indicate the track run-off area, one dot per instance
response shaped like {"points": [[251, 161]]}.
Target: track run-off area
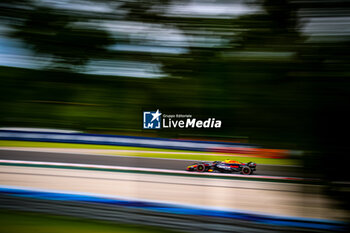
{"points": [[165, 180], [287, 199]]}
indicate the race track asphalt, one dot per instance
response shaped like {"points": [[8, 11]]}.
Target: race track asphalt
{"points": [[141, 162]]}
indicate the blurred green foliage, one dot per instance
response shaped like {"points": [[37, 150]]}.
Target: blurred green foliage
{"points": [[259, 73], [48, 32]]}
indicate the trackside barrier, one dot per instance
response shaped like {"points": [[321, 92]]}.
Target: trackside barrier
{"points": [[178, 217], [100, 139]]}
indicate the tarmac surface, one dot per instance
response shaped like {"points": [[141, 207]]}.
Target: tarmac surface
{"points": [[138, 162]]}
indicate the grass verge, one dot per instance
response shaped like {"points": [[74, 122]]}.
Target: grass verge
{"points": [[6, 143], [147, 152], [27, 222]]}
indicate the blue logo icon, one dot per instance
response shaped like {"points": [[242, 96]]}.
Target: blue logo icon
{"points": [[151, 120]]}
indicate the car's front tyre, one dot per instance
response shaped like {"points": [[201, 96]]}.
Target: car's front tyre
{"points": [[201, 168]]}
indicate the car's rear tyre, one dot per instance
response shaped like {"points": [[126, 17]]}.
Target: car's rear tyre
{"points": [[246, 170], [201, 168]]}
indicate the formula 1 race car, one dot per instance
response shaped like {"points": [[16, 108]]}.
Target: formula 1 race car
{"points": [[227, 166]]}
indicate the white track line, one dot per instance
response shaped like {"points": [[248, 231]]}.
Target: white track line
{"points": [[164, 171]]}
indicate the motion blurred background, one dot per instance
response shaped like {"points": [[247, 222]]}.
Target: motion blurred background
{"points": [[275, 72]]}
